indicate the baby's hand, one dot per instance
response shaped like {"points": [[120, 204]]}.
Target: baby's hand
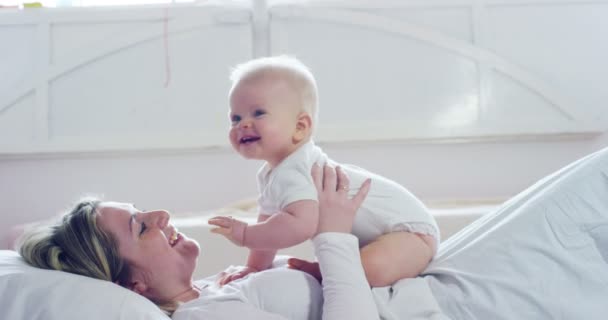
{"points": [[241, 272], [232, 229]]}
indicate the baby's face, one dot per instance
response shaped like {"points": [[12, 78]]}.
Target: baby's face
{"points": [[263, 116]]}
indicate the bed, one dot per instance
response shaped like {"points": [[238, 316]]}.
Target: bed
{"points": [[30, 293]]}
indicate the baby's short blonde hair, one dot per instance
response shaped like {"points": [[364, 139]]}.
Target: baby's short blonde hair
{"points": [[286, 68]]}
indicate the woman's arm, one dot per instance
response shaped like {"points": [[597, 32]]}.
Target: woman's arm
{"points": [[346, 291]]}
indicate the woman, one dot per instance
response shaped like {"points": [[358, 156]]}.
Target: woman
{"points": [[543, 255], [142, 251]]}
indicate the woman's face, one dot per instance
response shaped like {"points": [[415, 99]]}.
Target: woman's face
{"points": [[161, 259]]}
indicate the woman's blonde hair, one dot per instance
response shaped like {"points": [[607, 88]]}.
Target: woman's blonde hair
{"points": [[77, 245]]}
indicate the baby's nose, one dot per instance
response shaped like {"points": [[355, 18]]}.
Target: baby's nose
{"points": [[245, 123]]}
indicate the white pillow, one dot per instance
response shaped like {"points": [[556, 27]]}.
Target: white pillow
{"points": [[31, 293]]}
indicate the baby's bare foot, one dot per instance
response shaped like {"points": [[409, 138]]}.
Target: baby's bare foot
{"points": [[311, 268]]}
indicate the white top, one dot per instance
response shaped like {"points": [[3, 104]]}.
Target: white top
{"points": [[388, 206], [278, 293], [301, 296], [281, 293]]}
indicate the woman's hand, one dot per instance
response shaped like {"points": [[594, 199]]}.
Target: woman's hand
{"points": [[336, 210]]}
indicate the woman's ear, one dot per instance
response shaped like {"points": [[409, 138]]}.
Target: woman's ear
{"points": [[137, 283], [138, 287], [303, 127]]}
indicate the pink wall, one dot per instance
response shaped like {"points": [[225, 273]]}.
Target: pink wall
{"points": [[37, 188]]}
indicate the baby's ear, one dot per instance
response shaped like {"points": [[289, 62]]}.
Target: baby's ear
{"points": [[303, 127]]}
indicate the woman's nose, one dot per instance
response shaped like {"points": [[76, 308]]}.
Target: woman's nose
{"points": [[159, 218]]}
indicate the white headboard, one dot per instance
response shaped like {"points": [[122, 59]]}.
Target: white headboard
{"points": [[154, 77], [130, 102]]}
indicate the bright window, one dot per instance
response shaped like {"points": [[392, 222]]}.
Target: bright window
{"points": [[86, 3]]}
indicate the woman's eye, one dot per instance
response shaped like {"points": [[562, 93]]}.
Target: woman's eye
{"points": [[258, 113], [142, 229]]}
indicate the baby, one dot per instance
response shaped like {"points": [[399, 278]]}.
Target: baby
{"points": [[273, 110]]}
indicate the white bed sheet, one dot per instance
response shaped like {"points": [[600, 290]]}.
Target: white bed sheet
{"points": [[542, 255]]}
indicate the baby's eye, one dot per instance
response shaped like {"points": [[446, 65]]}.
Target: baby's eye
{"points": [[259, 112], [142, 229], [235, 119]]}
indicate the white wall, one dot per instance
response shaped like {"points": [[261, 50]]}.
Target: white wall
{"points": [[460, 101], [441, 174], [156, 77]]}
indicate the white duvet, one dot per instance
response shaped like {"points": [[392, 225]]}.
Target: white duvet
{"points": [[543, 255]]}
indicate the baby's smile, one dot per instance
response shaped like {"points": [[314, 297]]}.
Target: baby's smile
{"points": [[249, 139]]}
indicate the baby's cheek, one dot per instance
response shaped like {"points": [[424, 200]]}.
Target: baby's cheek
{"points": [[232, 136]]}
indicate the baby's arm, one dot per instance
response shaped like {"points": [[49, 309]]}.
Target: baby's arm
{"points": [[295, 224], [261, 259], [256, 261]]}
